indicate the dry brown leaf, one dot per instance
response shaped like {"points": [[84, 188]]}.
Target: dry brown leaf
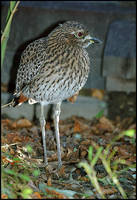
{"points": [[61, 171], [56, 194], [78, 171], [49, 182], [6, 122], [4, 87], [73, 98], [12, 152], [83, 148], [80, 126], [77, 127], [15, 137], [36, 195], [4, 140], [105, 124], [95, 129], [124, 151], [4, 196], [83, 178], [85, 142], [99, 94], [11, 137], [53, 157], [111, 190], [75, 155], [69, 154], [131, 160], [4, 160], [83, 154], [4, 149], [48, 127], [21, 123]]}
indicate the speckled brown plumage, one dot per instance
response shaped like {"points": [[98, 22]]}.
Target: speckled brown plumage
{"points": [[54, 68]]}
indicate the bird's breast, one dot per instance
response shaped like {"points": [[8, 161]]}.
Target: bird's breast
{"points": [[63, 75]]}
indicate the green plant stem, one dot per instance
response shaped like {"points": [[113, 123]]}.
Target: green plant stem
{"points": [[9, 21], [106, 164], [5, 34], [92, 176], [113, 177]]}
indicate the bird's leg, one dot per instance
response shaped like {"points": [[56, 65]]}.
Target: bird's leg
{"points": [[43, 122], [56, 125]]}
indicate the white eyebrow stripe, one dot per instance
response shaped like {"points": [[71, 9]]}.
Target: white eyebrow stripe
{"points": [[88, 37], [73, 32]]}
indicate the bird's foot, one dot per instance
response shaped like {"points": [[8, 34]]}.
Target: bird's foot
{"points": [[46, 163], [59, 165]]}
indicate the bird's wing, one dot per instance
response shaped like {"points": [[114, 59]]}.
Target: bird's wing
{"points": [[32, 59]]}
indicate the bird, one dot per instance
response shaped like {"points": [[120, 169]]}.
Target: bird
{"points": [[53, 69]]}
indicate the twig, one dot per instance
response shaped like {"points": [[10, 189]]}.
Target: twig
{"points": [[6, 105], [7, 145]]}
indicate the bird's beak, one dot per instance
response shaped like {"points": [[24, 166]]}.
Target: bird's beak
{"points": [[95, 40]]}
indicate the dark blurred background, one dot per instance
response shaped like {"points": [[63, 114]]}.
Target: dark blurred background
{"points": [[113, 64]]}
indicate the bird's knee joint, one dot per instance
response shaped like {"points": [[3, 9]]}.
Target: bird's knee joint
{"points": [[56, 113], [42, 121]]}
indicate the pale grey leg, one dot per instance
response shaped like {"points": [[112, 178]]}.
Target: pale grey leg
{"points": [[43, 122], [56, 125]]}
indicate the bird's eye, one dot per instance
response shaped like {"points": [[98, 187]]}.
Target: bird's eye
{"points": [[79, 34]]}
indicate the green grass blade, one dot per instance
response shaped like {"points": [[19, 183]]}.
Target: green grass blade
{"points": [[90, 153], [99, 114], [12, 5], [6, 31], [95, 159]]}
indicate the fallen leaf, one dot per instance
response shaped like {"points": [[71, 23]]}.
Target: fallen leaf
{"points": [[53, 157], [78, 171], [6, 122], [62, 170], [69, 154], [15, 137], [98, 93], [48, 127], [124, 151], [4, 87], [85, 142], [12, 151], [4, 160], [4, 140], [80, 126], [77, 127], [73, 98], [11, 137], [83, 154], [4, 149], [37, 195], [105, 124], [21, 123], [49, 182], [4, 196], [83, 178], [111, 190], [56, 194]]}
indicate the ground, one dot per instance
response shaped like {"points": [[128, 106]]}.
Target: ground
{"points": [[97, 152]]}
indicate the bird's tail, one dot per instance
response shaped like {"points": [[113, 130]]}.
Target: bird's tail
{"points": [[17, 101]]}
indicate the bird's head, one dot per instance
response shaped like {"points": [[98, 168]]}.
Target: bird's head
{"points": [[75, 33]]}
